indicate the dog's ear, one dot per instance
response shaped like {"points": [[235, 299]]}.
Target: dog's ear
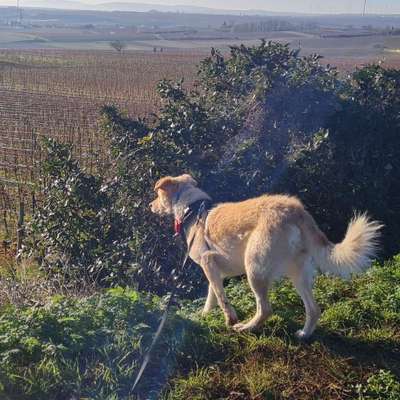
{"points": [[186, 178], [168, 184]]}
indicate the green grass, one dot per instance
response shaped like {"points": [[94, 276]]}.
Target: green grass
{"points": [[354, 354], [91, 347]]}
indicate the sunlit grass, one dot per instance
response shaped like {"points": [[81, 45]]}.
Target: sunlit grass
{"points": [[92, 346]]}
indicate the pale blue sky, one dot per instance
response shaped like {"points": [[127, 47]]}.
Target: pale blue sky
{"points": [[336, 6], [305, 6]]}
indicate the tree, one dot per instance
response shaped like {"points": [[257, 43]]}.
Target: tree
{"points": [[118, 45]]}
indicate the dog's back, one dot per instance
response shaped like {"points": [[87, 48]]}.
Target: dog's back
{"points": [[231, 220]]}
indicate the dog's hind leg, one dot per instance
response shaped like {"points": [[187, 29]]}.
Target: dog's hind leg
{"points": [[209, 264], [302, 277], [263, 311], [258, 262]]}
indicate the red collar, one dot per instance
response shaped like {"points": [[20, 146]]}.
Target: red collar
{"points": [[177, 226], [195, 209]]}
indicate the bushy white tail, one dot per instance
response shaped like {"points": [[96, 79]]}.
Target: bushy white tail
{"points": [[355, 253]]}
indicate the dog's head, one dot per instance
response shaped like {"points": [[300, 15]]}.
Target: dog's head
{"points": [[168, 190]]}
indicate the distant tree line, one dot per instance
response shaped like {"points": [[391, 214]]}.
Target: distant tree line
{"points": [[272, 26]]}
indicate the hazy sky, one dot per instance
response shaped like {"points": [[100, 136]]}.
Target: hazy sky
{"points": [[305, 6]]}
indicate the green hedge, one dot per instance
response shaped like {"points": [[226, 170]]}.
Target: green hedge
{"points": [[262, 120]]}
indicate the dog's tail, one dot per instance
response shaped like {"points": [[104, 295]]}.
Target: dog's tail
{"points": [[354, 254]]}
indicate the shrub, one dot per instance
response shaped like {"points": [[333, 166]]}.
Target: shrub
{"points": [[77, 232], [356, 164], [262, 120]]}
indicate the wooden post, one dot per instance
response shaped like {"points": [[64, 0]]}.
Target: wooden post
{"points": [[5, 222], [33, 166], [20, 226]]}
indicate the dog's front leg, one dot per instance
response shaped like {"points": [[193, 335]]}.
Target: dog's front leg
{"points": [[209, 263], [211, 301]]}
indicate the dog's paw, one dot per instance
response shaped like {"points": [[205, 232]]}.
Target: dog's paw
{"points": [[302, 335], [241, 327], [204, 312]]}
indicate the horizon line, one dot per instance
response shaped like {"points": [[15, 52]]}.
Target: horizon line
{"points": [[247, 12]]}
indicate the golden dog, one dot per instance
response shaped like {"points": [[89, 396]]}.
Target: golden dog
{"points": [[265, 238]]}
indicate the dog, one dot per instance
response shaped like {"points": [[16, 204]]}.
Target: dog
{"points": [[264, 238]]}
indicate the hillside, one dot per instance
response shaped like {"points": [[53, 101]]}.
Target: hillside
{"points": [[91, 347]]}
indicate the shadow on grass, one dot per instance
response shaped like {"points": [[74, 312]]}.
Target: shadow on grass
{"points": [[366, 353], [207, 347]]}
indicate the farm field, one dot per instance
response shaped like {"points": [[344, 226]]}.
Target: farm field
{"points": [[59, 94], [364, 46]]}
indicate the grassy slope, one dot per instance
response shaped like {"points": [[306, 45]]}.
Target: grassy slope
{"points": [[92, 347], [87, 348], [355, 352]]}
